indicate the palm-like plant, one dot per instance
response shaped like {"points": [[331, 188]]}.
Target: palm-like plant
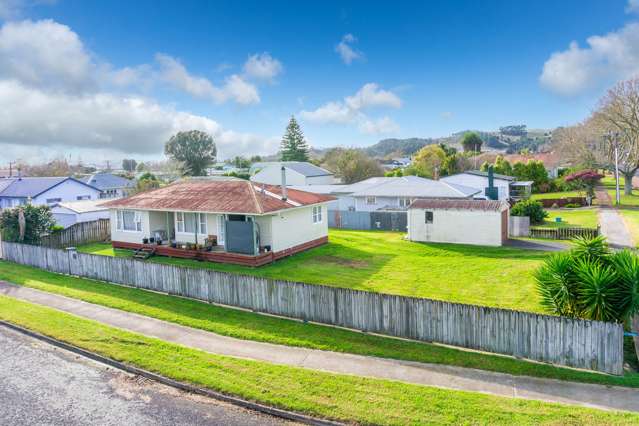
{"points": [[593, 249], [556, 285], [598, 291], [626, 265]]}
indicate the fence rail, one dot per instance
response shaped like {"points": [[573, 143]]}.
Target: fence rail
{"points": [[572, 342], [80, 233], [563, 233], [377, 220]]}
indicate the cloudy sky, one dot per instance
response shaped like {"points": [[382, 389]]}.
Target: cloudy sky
{"points": [[107, 80]]}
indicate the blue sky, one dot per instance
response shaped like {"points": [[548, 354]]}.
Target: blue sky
{"points": [[113, 79]]}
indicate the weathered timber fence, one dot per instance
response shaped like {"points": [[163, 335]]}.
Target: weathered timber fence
{"points": [[577, 343], [79, 233], [563, 233]]}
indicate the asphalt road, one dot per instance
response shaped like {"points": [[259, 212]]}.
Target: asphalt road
{"points": [[44, 385]]}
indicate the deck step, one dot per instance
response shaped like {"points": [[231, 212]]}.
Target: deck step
{"points": [[143, 253]]}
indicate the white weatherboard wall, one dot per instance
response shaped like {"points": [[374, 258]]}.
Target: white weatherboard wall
{"points": [[480, 182], [461, 226], [294, 227], [69, 190], [66, 217], [130, 236], [380, 202]]}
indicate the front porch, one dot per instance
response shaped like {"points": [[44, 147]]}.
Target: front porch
{"points": [[217, 254]]}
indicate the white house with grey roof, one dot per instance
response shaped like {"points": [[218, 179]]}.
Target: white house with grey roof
{"points": [[389, 193], [507, 186], [297, 173], [44, 191], [112, 186]]}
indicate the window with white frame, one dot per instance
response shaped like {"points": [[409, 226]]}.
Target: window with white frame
{"points": [[404, 202], [190, 222], [202, 222], [83, 197], [371, 200], [129, 220], [179, 221], [317, 214]]}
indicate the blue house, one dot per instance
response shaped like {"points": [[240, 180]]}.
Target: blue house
{"points": [[44, 191], [112, 186]]}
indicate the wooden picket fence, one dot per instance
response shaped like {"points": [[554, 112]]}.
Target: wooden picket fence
{"points": [[79, 233], [577, 343], [563, 233]]}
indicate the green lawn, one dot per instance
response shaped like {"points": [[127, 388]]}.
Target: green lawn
{"points": [[582, 218], [626, 200], [631, 218], [345, 398], [250, 326], [384, 262], [556, 195]]}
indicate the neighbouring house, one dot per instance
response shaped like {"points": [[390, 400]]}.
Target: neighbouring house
{"points": [[112, 186], [388, 193], [297, 173], [507, 186], [44, 191], [236, 221], [478, 222], [395, 163], [553, 162], [68, 213]]}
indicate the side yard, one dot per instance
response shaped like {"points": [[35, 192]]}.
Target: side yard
{"points": [[384, 262], [571, 218]]}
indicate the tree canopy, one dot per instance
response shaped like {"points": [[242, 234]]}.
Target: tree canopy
{"points": [[193, 150], [471, 142], [293, 146], [129, 165], [351, 165]]}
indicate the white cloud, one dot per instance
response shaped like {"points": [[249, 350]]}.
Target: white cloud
{"points": [[235, 87], [382, 125], [56, 98], [447, 115], [605, 58], [346, 50], [45, 54], [34, 118], [370, 95], [351, 110], [632, 6], [262, 67]]}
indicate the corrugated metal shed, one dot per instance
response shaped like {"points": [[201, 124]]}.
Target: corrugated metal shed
{"points": [[486, 205]]}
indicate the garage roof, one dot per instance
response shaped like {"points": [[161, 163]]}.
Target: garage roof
{"points": [[486, 205]]}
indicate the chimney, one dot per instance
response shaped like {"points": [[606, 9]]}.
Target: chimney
{"points": [[284, 197]]}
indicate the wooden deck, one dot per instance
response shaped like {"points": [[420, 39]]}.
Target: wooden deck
{"points": [[222, 256]]}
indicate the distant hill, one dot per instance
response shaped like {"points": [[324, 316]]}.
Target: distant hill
{"points": [[398, 147]]}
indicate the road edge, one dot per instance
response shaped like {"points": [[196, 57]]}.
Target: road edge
{"points": [[276, 412]]}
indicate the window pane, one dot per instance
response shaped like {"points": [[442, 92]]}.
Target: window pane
{"points": [[189, 222], [128, 220]]}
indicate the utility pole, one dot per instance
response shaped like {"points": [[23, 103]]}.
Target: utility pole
{"points": [[613, 139]]}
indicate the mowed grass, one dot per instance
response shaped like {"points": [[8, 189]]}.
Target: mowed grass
{"points": [[251, 326], [626, 200], [631, 219], [557, 195], [386, 263], [580, 218], [345, 398]]}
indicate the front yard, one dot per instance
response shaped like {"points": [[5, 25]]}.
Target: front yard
{"points": [[577, 218], [385, 262]]}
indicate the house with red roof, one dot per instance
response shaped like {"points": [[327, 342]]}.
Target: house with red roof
{"points": [[229, 221]]}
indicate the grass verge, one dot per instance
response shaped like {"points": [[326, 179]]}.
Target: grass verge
{"points": [[251, 326], [385, 262], [580, 218], [346, 398]]}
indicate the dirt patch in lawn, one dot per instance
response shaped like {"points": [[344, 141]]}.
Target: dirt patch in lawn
{"points": [[341, 261]]}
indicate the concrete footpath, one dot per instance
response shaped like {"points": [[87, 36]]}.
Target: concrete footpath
{"points": [[449, 377]]}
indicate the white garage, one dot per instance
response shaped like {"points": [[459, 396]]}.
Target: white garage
{"points": [[479, 222]]}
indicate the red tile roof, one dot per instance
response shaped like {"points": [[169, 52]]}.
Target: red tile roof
{"points": [[486, 205], [218, 196]]}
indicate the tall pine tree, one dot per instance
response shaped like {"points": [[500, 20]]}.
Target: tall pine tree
{"points": [[294, 146]]}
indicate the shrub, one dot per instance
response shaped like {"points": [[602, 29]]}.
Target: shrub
{"points": [[531, 208], [590, 282], [38, 221], [572, 205], [584, 179]]}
